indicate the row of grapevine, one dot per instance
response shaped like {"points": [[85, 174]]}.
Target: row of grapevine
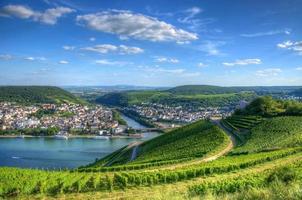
{"points": [[25, 181]]}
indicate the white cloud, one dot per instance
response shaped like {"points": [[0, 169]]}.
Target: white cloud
{"points": [[5, 57], [127, 24], [30, 58], [201, 64], [299, 68], [268, 33], [255, 61], [92, 39], [211, 47], [268, 72], [108, 62], [167, 60], [63, 62], [191, 13], [157, 69], [68, 48], [109, 48], [293, 46], [49, 16]]}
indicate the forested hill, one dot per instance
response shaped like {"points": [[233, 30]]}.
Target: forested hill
{"points": [[37, 94], [211, 89], [297, 92]]}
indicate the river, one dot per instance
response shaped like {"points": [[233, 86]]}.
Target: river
{"points": [[49, 153]]}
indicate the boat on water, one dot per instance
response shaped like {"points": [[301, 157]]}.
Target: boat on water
{"points": [[101, 137], [21, 136], [61, 135]]}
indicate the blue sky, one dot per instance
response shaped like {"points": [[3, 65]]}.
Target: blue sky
{"points": [[151, 43]]}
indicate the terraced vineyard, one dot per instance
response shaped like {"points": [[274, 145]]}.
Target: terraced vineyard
{"points": [[275, 133], [239, 122]]}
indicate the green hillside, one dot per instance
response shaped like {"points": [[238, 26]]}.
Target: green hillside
{"points": [[37, 94], [203, 89], [274, 133], [166, 97], [192, 141]]}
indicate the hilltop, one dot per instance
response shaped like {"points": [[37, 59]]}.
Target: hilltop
{"points": [[37, 94]]}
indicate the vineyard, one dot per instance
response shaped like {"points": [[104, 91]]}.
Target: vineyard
{"points": [[274, 133], [238, 122], [269, 159], [189, 142]]}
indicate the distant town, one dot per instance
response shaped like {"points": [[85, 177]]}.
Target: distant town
{"points": [[71, 118]]}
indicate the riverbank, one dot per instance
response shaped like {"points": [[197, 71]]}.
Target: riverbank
{"points": [[74, 136]]}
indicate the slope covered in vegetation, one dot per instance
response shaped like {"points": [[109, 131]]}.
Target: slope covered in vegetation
{"points": [[37, 94], [186, 143], [166, 97]]}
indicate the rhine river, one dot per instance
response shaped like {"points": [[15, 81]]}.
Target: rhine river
{"points": [[49, 153]]}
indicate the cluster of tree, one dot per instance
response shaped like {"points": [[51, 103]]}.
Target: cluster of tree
{"points": [[116, 116], [268, 107], [32, 131]]}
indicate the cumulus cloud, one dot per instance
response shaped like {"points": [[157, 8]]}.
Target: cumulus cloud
{"points": [[127, 24], [108, 62], [109, 48], [293, 46], [268, 33], [68, 48], [63, 62], [167, 60], [255, 61], [268, 72], [5, 57], [49, 16]]}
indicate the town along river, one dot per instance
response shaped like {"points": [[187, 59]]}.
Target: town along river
{"points": [[50, 153]]}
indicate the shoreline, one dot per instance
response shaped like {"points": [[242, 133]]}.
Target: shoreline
{"points": [[76, 136]]}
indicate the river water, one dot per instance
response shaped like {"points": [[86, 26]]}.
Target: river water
{"points": [[49, 153]]}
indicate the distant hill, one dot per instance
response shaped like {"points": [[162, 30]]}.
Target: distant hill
{"points": [[211, 89], [203, 89], [37, 94], [297, 92]]}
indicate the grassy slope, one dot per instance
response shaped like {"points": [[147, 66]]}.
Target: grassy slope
{"points": [[37, 94]]}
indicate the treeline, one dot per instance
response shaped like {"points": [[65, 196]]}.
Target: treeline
{"points": [[32, 131], [36, 94], [116, 116]]}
